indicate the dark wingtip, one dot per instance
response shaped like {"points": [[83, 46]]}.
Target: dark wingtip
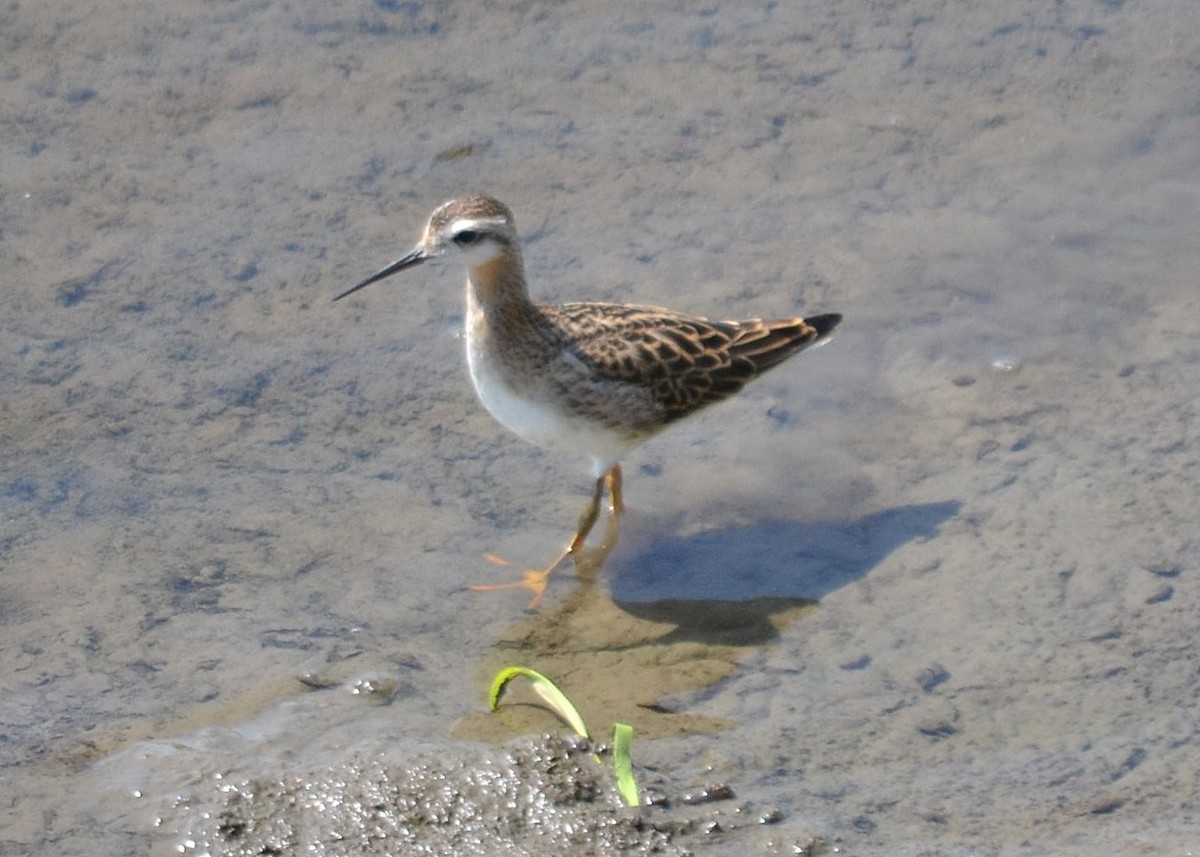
{"points": [[824, 324]]}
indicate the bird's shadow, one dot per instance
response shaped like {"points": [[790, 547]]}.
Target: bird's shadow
{"points": [[732, 581]]}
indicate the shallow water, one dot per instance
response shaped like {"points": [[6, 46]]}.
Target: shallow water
{"points": [[214, 479]]}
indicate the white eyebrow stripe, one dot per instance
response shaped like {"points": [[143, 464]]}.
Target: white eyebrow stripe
{"points": [[461, 223]]}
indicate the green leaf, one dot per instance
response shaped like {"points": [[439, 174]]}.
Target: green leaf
{"points": [[623, 763], [546, 689]]}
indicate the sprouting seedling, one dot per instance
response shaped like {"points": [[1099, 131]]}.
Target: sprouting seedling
{"points": [[546, 689], [563, 707], [623, 763]]}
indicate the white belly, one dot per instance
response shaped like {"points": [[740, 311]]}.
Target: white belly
{"points": [[542, 424]]}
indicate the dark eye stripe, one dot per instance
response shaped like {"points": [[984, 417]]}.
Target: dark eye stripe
{"points": [[465, 237]]}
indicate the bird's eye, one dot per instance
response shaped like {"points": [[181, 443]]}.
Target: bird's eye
{"points": [[466, 237]]}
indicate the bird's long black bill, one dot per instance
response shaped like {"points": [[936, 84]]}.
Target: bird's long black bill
{"points": [[416, 257]]}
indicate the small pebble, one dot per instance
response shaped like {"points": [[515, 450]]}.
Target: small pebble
{"points": [[708, 794]]}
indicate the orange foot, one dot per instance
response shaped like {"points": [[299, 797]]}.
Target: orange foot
{"points": [[536, 581]]}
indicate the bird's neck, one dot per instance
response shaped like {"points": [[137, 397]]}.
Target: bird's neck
{"points": [[497, 286]]}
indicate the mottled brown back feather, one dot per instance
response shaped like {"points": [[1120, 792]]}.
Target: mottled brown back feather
{"points": [[684, 362]]}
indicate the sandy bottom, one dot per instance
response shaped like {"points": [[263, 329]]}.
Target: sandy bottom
{"points": [[930, 589]]}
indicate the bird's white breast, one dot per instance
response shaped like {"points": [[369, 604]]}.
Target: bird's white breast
{"points": [[537, 420]]}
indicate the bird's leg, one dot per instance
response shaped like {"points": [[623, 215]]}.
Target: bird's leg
{"points": [[536, 580], [588, 519], [613, 480], [588, 564]]}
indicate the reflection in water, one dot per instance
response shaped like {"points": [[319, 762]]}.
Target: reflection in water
{"points": [[703, 607]]}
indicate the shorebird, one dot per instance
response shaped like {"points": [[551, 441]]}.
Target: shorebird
{"points": [[597, 379]]}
